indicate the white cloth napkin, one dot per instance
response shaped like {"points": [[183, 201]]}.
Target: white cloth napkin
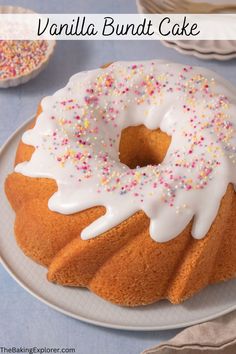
{"points": [[214, 337]]}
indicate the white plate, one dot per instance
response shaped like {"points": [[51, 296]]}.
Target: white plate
{"points": [[80, 303], [208, 47], [203, 49], [200, 55]]}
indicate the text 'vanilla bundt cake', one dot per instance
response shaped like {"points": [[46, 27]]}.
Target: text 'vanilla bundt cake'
{"points": [[124, 182]]}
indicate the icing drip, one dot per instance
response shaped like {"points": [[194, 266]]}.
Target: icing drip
{"points": [[76, 140]]}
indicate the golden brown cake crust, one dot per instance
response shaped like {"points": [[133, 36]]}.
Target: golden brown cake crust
{"points": [[124, 265]]}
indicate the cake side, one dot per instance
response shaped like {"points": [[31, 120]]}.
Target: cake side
{"points": [[124, 265], [170, 246], [143, 271]]}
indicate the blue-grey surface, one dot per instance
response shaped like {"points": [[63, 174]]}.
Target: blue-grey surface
{"points": [[24, 321]]}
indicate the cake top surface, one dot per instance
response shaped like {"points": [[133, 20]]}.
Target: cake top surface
{"points": [[77, 135]]}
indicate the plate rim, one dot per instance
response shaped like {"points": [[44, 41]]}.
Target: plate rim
{"points": [[82, 318], [199, 55], [184, 44]]}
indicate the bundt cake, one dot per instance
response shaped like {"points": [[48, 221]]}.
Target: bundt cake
{"points": [[123, 183]]}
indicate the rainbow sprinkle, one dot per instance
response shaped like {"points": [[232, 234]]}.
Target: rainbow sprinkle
{"points": [[18, 58]]}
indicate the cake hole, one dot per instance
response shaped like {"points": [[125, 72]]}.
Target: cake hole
{"points": [[140, 146]]}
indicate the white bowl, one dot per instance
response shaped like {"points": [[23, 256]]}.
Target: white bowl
{"points": [[21, 79]]}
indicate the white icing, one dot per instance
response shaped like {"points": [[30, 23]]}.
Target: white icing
{"points": [[76, 140]]}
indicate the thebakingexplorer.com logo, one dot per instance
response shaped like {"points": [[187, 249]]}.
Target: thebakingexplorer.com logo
{"points": [[32, 350]]}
